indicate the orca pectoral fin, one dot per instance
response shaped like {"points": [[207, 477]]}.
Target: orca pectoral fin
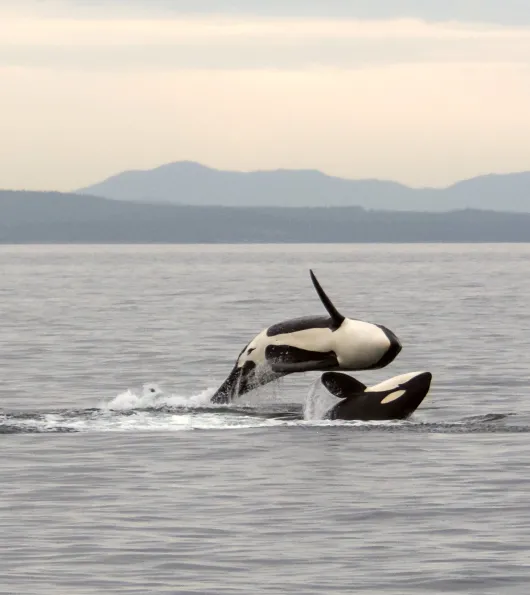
{"points": [[341, 385], [285, 359]]}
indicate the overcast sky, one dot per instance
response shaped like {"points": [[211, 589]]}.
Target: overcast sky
{"points": [[422, 95]]}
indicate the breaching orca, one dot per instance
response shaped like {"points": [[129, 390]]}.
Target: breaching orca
{"points": [[396, 398], [311, 343]]}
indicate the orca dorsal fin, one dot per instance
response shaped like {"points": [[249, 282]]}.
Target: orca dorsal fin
{"points": [[341, 385], [336, 317]]}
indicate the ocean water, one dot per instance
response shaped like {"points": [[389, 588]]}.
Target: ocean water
{"points": [[118, 476]]}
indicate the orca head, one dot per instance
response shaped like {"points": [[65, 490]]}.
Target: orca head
{"points": [[402, 395], [419, 383], [392, 351], [366, 346]]}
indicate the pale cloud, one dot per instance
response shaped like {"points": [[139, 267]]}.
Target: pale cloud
{"points": [[87, 92], [228, 43], [56, 37], [23, 30], [511, 12]]}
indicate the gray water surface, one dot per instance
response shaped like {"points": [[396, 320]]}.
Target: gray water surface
{"points": [[107, 487]]}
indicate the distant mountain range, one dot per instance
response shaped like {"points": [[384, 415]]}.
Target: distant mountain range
{"points": [[53, 217], [190, 183]]}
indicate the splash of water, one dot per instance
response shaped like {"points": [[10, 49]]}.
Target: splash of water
{"points": [[153, 397], [152, 410], [318, 402]]}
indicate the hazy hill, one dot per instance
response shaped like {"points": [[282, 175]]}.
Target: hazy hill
{"points": [[34, 217], [191, 183]]}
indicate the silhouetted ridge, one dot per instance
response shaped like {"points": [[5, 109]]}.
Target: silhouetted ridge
{"points": [[53, 217], [187, 182]]}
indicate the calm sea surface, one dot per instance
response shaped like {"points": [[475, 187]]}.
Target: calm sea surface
{"points": [[110, 487]]}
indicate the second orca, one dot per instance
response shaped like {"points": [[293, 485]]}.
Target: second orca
{"points": [[395, 398]]}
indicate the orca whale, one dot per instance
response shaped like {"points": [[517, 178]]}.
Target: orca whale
{"points": [[396, 398], [310, 343]]}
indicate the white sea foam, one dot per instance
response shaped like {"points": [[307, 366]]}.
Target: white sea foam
{"points": [[153, 397], [151, 409]]}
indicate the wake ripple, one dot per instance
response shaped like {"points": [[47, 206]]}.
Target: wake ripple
{"points": [[152, 410]]}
